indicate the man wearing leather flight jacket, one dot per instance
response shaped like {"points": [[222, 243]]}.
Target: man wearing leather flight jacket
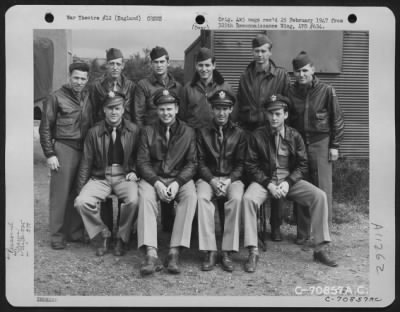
{"points": [[66, 117], [276, 163], [316, 114]]}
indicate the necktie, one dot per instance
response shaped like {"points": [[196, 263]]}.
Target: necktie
{"points": [[277, 146], [220, 135], [167, 134], [114, 134], [115, 86], [277, 140]]}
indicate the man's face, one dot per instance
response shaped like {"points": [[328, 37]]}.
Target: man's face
{"points": [[276, 118], [221, 114], [167, 113], [305, 74], [262, 54], [115, 67], [78, 80], [160, 65], [205, 69], [113, 114]]}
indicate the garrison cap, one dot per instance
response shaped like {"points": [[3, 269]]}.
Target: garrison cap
{"points": [[222, 97], [113, 54], [276, 102], [82, 66], [114, 98], [164, 96], [204, 54], [260, 40], [301, 60], [157, 52]]}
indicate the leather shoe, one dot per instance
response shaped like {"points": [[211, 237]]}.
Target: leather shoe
{"points": [[276, 235], [251, 264], [320, 256], [58, 245], [300, 240], [150, 265], [105, 246], [226, 262], [119, 249], [209, 261], [172, 263]]}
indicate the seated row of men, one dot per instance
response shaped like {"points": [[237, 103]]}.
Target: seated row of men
{"points": [[166, 158]]}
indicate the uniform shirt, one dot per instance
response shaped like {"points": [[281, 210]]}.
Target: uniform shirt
{"points": [[145, 109], [254, 90], [115, 149], [281, 156]]}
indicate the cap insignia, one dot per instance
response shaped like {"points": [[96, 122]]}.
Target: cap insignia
{"points": [[111, 94], [222, 94], [165, 92]]}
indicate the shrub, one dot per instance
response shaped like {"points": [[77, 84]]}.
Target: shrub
{"points": [[350, 189]]}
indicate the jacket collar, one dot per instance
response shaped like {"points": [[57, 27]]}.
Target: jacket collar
{"points": [[125, 126], [153, 79], [174, 127], [229, 125], [107, 81], [315, 82], [287, 130], [272, 67], [217, 78], [67, 89]]}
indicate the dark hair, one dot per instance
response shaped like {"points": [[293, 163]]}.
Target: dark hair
{"points": [[81, 66], [212, 60]]}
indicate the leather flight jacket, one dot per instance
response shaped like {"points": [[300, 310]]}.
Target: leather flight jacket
{"points": [[100, 91], [145, 109], [195, 109], [260, 162], [315, 113], [64, 117], [158, 160], [221, 160], [251, 113], [95, 153]]}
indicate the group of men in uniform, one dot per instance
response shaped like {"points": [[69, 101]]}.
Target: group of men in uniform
{"points": [[159, 141]]}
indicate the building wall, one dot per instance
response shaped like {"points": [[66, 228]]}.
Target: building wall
{"points": [[232, 50], [62, 52]]}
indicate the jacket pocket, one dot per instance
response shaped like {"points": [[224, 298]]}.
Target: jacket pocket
{"points": [[65, 127], [321, 121]]}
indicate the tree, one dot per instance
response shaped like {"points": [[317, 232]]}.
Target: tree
{"points": [[138, 67]]}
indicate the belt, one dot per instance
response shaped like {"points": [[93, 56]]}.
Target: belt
{"points": [[114, 170]]}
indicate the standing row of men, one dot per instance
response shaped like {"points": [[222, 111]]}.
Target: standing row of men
{"points": [[188, 133]]}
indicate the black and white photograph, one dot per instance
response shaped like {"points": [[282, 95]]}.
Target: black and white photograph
{"points": [[225, 157]]}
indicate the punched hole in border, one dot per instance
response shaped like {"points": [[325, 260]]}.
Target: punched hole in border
{"points": [[200, 19], [352, 18], [49, 18]]}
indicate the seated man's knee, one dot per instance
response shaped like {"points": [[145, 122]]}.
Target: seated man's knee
{"points": [[237, 196], [248, 198], [202, 196], [79, 203], [320, 194], [131, 197]]}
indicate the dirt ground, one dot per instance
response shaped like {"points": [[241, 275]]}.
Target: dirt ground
{"points": [[76, 271]]}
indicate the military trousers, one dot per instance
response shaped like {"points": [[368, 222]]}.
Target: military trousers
{"points": [[303, 193], [65, 221], [148, 210], [206, 212], [97, 190], [320, 174]]}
